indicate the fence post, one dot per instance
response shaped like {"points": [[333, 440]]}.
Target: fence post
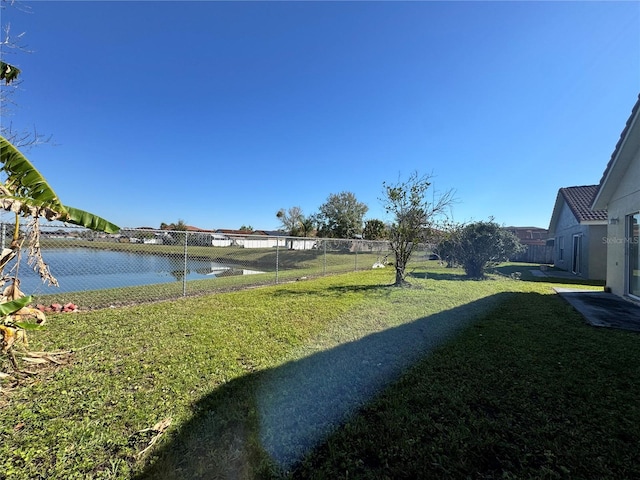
{"points": [[277, 257], [184, 276], [324, 257], [355, 248]]}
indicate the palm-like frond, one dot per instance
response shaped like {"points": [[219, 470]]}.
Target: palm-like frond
{"points": [[89, 220], [26, 192], [8, 73], [24, 180]]}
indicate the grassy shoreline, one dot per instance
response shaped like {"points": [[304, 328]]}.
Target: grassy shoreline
{"points": [[201, 362]]}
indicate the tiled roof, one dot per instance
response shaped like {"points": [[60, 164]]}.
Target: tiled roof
{"points": [[227, 231], [579, 200]]}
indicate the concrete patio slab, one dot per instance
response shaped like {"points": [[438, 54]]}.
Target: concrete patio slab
{"points": [[602, 309], [553, 274]]}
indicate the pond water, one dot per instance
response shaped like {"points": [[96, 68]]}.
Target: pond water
{"points": [[78, 269]]}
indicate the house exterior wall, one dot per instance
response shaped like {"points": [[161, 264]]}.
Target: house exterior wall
{"points": [[597, 252], [624, 201], [253, 242], [593, 259], [566, 228], [301, 244], [219, 241]]}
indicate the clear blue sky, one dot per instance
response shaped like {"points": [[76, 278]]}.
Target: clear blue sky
{"points": [[220, 113]]}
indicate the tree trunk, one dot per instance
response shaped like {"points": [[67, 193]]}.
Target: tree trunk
{"points": [[399, 276], [400, 269], [402, 251]]}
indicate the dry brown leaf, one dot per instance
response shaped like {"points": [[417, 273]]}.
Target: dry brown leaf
{"points": [[159, 427], [28, 312], [38, 360], [8, 335], [162, 425], [55, 352], [13, 292]]}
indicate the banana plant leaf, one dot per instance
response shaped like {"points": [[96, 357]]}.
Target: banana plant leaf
{"points": [[8, 73], [24, 180], [30, 188], [13, 306], [89, 220], [29, 326]]}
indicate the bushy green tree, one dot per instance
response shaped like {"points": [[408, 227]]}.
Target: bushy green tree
{"points": [[341, 216], [480, 245], [446, 243], [374, 229]]}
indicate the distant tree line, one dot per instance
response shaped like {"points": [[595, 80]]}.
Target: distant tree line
{"points": [[414, 218]]}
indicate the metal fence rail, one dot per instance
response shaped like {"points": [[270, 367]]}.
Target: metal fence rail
{"points": [[96, 270]]}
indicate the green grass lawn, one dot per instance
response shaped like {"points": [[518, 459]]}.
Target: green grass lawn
{"points": [[529, 391], [525, 390]]}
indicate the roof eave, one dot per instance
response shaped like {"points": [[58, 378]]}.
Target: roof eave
{"points": [[607, 183], [555, 214], [593, 222]]}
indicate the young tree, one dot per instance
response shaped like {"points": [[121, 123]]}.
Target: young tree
{"points": [[480, 245], [341, 216], [291, 220], [414, 216]]}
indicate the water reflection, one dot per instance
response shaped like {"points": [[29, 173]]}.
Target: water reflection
{"points": [[80, 269]]}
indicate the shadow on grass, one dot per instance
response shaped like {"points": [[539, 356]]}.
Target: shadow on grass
{"points": [[261, 424], [361, 288], [529, 391], [439, 276], [330, 291]]}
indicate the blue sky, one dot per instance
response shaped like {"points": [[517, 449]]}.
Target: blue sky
{"points": [[220, 113]]}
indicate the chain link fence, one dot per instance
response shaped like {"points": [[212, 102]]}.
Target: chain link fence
{"points": [[96, 270]]}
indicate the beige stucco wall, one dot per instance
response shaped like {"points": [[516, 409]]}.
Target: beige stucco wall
{"points": [[597, 252], [624, 201]]}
